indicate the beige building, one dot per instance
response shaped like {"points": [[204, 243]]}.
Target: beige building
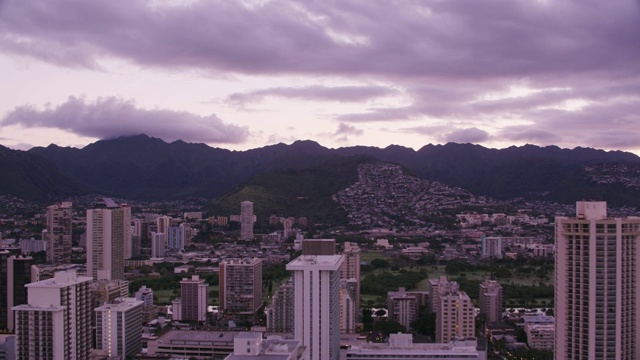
{"points": [[240, 286], [108, 228], [490, 298], [59, 232], [455, 313], [351, 270], [597, 297]]}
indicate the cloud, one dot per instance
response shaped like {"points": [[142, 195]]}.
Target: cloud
{"points": [[480, 39], [346, 129], [470, 135], [314, 93], [112, 117]]}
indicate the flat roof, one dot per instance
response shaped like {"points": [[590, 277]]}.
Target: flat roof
{"points": [[322, 262], [188, 335]]}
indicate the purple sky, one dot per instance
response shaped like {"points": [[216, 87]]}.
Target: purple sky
{"points": [[244, 74]]}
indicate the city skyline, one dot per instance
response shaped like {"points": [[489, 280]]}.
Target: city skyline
{"points": [[495, 73]]}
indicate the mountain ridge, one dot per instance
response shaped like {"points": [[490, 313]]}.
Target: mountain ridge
{"points": [[146, 168]]}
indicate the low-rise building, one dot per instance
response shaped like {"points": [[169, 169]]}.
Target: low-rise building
{"points": [[401, 346], [251, 345], [199, 344]]}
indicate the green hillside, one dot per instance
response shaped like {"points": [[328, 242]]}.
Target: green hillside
{"points": [[296, 192]]}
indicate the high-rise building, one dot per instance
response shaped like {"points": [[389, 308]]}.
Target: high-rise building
{"points": [[403, 307], [59, 233], [492, 247], [316, 284], [126, 228], [119, 328], [240, 286], [149, 311], [348, 309], [351, 270], [158, 245], [56, 322], [193, 299], [162, 224], [107, 227], [455, 313], [18, 275], [15, 273], [175, 238], [597, 289], [246, 220], [280, 311], [490, 298], [141, 230]]}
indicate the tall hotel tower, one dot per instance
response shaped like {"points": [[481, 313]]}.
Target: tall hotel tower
{"points": [[597, 305], [246, 220], [56, 322], [316, 286], [59, 233], [107, 227]]}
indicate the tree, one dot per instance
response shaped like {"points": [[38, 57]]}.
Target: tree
{"points": [[379, 263], [389, 327]]}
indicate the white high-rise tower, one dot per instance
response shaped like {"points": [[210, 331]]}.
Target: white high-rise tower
{"points": [[316, 284], [56, 322], [597, 297]]}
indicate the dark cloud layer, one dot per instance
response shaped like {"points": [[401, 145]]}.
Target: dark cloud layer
{"points": [[448, 58], [454, 39], [113, 117]]}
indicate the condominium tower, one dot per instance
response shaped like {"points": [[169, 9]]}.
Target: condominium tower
{"points": [[240, 286], [59, 233], [194, 299], [597, 295], [455, 313], [56, 322], [351, 270], [119, 328], [107, 227], [316, 284], [246, 220], [490, 297]]}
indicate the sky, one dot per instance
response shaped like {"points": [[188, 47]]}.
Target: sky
{"points": [[246, 74]]}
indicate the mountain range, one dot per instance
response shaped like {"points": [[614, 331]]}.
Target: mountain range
{"points": [[145, 168]]}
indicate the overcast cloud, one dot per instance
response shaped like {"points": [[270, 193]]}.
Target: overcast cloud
{"points": [[563, 72]]}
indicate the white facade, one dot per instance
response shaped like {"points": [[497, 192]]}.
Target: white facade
{"points": [[108, 227], [597, 297], [246, 220], [492, 247], [119, 327], [316, 283], [56, 322]]}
